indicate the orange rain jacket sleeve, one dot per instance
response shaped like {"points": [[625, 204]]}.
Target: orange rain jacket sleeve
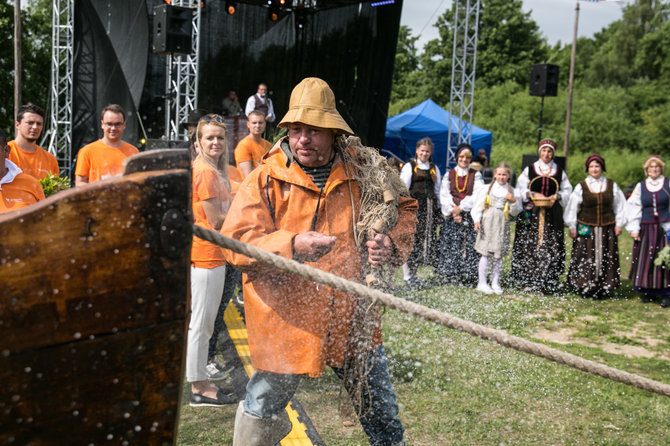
{"points": [[294, 325]]}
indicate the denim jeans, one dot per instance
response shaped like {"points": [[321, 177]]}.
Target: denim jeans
{"points": [[269, 393]]}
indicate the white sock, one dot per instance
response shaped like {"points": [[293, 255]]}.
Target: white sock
{"points": [[483, 269], [496, 267], [406, 273]]}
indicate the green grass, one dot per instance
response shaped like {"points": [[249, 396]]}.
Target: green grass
{"points": [[457, 389]]}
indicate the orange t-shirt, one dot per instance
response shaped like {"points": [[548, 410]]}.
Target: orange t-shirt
{"points": [[39, 163], [23, 191], [98, 161], [235, 178], [206, 185], [250, 150]]}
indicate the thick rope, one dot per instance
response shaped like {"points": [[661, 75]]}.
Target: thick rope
{"points": [[429, 314]]}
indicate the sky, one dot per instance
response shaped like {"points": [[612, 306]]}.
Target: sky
{"points": [[556, 18]]}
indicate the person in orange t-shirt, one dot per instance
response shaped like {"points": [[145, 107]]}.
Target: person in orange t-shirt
{"points": [[104, 158], [25, 153], [17, 189], [211, 199], [250, 150]]}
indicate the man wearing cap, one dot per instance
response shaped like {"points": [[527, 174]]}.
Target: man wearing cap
{"points": [[538, 253], [104, 158], [298, 204]]}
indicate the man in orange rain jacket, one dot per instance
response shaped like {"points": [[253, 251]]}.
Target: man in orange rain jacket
{"points": [[298, 204]]}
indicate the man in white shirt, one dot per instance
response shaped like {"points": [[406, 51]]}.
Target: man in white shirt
{"points": [[261, 101]]}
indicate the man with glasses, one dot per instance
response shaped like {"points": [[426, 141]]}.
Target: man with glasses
{"points": [[25, 153], [17, 189], [104, 158]]}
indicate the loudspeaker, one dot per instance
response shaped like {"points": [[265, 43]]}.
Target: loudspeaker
{"points": [[543, 80], [173, 28]]}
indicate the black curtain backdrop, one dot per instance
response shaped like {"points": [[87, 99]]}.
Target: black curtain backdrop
{"points": [[111, 49], [351, 47]]}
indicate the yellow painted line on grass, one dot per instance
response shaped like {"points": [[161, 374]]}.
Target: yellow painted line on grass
{"points": [[238, 333]]}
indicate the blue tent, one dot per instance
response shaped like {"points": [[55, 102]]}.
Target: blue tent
{"points": [[429, 119]]}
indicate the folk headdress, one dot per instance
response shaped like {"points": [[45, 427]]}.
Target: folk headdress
{"points": [[595, 157], [546, 143]]}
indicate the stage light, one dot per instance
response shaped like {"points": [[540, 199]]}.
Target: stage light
{"points": [[231, 7], [282, 2], [300, 19], [382, 3], [273, 14]]}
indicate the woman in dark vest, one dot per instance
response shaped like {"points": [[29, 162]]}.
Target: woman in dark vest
{"points": [[458, 259], [538, 253], [595, 216], [422, 178], [648, 222]]}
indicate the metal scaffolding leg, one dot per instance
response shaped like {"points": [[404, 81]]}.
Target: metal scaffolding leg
{"points": [[58, 136], [181, 89], [466, 21]]}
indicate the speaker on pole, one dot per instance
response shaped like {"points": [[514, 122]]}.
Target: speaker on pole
{"points": [[173, 28], [543, 80]]}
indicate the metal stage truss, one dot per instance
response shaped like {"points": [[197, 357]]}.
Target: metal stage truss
{"points": [[464, 61], [181, 89], [58, 136]]}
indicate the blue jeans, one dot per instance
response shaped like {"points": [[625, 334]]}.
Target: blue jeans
{"points": [[268, 393]]}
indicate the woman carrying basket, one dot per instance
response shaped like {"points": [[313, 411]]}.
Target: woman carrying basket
{"points": [[538, 253]]}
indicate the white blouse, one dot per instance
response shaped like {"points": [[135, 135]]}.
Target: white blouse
{"points": [[542, 168], [595, 185], [498, 193], [633, 209], [12, 171], [406, 175], [447, 201]]}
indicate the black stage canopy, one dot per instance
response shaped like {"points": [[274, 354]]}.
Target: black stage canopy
{"points": [[349, 44]]}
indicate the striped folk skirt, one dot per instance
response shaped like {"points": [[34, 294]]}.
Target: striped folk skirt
{"points": [[645, 276]]}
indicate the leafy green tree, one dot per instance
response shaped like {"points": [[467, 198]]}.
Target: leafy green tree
{"points": [[618, 45], [35, 61], [509, 42]]}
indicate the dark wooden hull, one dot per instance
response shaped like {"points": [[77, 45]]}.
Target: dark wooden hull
{"points": [[93, 313]]}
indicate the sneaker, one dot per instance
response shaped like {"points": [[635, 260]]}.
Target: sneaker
{"points": [[213, 372], [222, 399], [496, 289], [484, 288]]}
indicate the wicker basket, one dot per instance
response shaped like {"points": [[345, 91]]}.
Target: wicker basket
{"points": [[543, 202]]}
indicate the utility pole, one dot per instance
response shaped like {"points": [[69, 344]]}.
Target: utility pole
{"points": [[17, 56], [568, 114]]}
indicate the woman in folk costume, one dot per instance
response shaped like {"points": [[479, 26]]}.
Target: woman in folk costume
{"points": [[423, 180], [493, 206], [538, 253], [648, 222], [595, 216], [458, 259]]}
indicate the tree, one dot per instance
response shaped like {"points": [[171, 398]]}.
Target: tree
{"points": [[618, 45], [509, 42], [36, 58]]}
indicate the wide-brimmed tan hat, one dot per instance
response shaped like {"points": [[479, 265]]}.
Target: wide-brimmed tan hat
{"points": [[313, 103]]}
